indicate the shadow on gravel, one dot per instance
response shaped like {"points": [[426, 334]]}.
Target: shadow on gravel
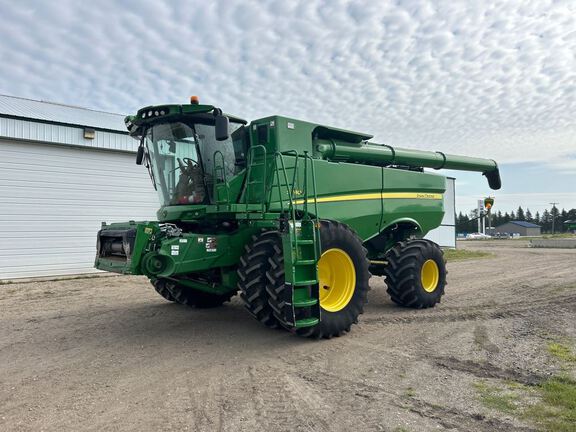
{"points": [[163, 326]]}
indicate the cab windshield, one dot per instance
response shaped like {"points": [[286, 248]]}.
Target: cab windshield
{"points": [[184, 159]]}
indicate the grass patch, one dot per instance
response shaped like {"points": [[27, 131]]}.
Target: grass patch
{"points": [[497, 398], [563, 289], [551, 405], [561, 352], [515, 385], [557, 410], [546, 236], [560, 236], [410, 392], [465, 254]]}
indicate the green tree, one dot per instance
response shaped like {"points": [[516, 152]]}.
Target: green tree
{"points": [[462, 223], [498, 218], [554, 219], [546, 221], [563, 217], [520, 214], [529, 217]]}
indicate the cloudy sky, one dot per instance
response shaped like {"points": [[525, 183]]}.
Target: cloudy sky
{"points": [[480, 78]]}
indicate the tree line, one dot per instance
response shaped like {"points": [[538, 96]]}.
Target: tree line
{"points": [[468, 223]]}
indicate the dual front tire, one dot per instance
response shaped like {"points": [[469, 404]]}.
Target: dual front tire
{"points": [[343, 281], [415, 273]]}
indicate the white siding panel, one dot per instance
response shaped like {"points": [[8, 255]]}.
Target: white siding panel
{"points": [[59, 134], [445, 234], [53, 200]]}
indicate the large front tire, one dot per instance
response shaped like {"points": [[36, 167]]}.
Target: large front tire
{"points": [[415, 273], [252, 276], [343, 276]]}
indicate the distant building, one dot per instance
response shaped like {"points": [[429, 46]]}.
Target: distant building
{"points": [[522, 228], [571, 225]]}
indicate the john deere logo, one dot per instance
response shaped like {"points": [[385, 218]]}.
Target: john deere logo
{"points": [[425, 195]]}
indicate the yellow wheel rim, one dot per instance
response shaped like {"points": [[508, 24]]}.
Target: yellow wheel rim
{"points": [[337, 277], [430, 275]]}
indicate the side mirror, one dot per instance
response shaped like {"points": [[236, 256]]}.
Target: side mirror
{"points": [[140, 155], [221, 124]]}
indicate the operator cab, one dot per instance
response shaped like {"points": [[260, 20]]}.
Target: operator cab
{"points": [[187, 153]]}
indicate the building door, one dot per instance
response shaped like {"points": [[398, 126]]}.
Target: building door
{"points": [[52, 202]]}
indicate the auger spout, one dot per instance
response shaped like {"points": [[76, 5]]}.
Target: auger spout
{"points": [[385, 155]]}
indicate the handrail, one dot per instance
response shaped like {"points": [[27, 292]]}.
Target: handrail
{"points": [[292, 189], [315, 197], [289, 190], [278, 156], [251, 164], [221, 168]]}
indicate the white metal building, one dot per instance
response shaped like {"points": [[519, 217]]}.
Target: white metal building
{"points": [[63, 170]]}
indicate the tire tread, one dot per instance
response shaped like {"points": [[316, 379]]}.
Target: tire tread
{"points": [[402, 275]]}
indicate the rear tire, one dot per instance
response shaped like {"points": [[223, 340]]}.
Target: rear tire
{"points": [[174, 292], [252, 276], [345, 308], [415, 273]]}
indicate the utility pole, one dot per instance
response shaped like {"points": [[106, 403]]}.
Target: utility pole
{"points": [[553, 204], [480, 216]]}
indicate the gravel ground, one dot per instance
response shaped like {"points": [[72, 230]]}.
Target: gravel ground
{"points": [[108, 353]]}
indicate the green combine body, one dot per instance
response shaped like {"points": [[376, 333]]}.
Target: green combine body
{"points": [[294, 215]]}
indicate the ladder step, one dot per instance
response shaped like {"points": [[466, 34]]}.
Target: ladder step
{"points": [[305, 302], [306, 322], [305, 262], [304, 242], [305, 282]]}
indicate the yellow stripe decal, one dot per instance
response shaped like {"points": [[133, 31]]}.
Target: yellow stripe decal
{"points": [[416, 195], [373, 196]]}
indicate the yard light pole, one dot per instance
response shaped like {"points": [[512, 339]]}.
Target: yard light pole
{"points": [[488, 203], [553, 204]]}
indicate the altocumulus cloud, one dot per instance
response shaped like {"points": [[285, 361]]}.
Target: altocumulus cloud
{"points": [[478, 77]]}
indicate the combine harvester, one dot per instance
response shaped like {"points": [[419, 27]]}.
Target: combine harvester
{"points": [[296, 216]]}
